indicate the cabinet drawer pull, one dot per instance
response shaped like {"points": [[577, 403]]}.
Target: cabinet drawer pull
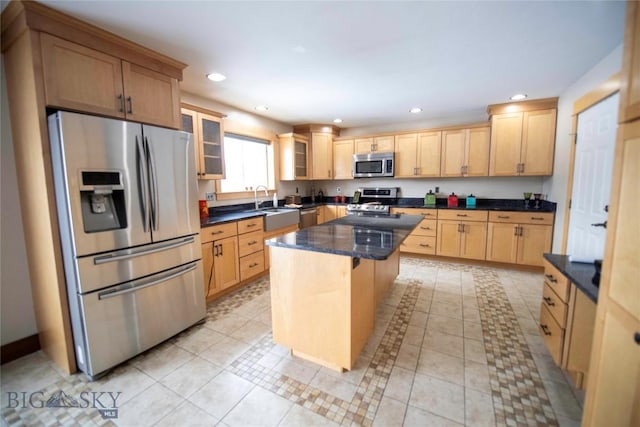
{"points": [[549, 301], [504, 216], [545, 329], [255, 264], [425, 245], [253, 242], [551, 278], [213, 233], [425, 228], [463, 215], [121, 103], [251, 225], [537, 218]]}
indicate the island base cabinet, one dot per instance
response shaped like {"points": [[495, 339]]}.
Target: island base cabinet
{"points": [[322, 305]]}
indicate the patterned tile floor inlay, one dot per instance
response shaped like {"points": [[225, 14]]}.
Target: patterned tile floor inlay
{"points": [[441, 330]]}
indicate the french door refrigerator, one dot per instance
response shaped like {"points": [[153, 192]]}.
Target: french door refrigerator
{"points": [[126, 197]]}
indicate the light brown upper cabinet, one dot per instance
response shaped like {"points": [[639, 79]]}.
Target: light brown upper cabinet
{"points": [[208, 136], [343, 159], [322, 156], [523, 138], [630, 82], [294, 157], [374, 144], [83, 79], [417, 155], [465, 152]]}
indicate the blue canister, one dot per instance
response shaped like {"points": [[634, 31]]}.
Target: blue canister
{"points": [[471, 201]]}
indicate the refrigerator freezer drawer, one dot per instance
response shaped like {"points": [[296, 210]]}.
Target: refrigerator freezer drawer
{"points": [[108, 269], [125, 320]]}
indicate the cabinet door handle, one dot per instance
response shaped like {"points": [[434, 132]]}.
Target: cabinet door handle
{"points": [[522, 168], [130, 102], [636, 337], [461, 170], [545, 329], [221, 249], [515, 230], [549, 301], [216, 250], [521, 231], [121, 103], [551, 278]]}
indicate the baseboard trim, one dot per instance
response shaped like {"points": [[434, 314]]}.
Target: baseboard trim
{"points": [[16, 349]]}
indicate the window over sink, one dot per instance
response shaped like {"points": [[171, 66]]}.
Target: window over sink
{"points": [[248, 163]]}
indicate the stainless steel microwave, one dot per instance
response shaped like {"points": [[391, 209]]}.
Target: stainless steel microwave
{"points": [[372, 165]]}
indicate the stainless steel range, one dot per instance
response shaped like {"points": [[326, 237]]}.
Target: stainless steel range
{"points": [[374, 201]]}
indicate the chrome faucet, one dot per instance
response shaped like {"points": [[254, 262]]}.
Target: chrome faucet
{"points": [[255, 194]]}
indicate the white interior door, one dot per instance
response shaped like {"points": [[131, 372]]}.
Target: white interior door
{"points": [[592, 179]]}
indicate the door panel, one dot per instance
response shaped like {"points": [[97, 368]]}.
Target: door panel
{"points": [[429, 153], [227, 270], [538, 142], [405, 155], [448, 238], [592, 179], [534, 241], [452, 153], [94, 144], [473, 240], [506, 139], [176, 201], [120, 326], [477, 152], [501, 242]]}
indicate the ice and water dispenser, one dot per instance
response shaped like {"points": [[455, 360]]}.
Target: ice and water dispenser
{"points": [[102, 200]]}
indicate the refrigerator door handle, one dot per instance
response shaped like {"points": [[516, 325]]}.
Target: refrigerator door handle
{"points": [[125, 289], [142, 182], [132, 253], [155, 211]]}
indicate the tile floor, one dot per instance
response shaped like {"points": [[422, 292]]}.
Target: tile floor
{"points": [[453, 345]]}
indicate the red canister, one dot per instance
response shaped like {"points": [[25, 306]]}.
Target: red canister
{"points": [[452, 201], [204, 209]]}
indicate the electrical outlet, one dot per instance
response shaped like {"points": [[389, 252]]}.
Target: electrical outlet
{"points": [[209, 197], [437, 190], [338, 190]]}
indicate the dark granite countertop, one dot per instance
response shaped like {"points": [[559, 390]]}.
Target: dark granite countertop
{"points": [[228, 217], [356, 236], [482, 204], [578, 273]]}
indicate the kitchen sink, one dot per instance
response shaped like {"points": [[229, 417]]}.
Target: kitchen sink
{"points": [[280, 217]]}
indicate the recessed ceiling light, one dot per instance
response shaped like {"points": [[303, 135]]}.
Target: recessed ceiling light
{"points": [[519, 96], [415, 110], [337, 120], [216, 77], [261, 108]]}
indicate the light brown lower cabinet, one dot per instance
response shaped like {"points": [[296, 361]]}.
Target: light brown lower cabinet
{"points": [[519, 237], [567, 320], [462, 233]]}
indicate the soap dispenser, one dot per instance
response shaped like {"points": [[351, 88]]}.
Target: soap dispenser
{"points": [[471, 201], [452, 201], [430, 199], [275, 200]]}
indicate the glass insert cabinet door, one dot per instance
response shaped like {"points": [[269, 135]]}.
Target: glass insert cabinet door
{"points": [[300, 159], [208, 136]]}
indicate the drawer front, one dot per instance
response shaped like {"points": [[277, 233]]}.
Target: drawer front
{"points": [[427, 213], [249, 243], [542, 218], [462, 215], [419, 245], [427, 227], [552, 334], [251, 265], [556, 281], [217, 232], [249, 225], [555, 305]]}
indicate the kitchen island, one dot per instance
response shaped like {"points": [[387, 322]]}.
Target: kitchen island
{"points": [[326, 281]]}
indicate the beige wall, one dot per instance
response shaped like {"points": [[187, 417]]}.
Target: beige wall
{"points": [[17, 319], [556, 185]]}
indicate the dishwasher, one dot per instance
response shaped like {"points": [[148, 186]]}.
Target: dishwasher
{"points": [[308, 217]]}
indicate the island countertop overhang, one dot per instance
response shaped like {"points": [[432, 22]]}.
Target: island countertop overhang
{"points": [[357, 236]]}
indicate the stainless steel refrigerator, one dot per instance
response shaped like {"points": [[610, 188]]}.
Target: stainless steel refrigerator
{"points": [[127, 205]]}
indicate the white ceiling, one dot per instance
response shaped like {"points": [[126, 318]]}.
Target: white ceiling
{"points": [[368, 62]]}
